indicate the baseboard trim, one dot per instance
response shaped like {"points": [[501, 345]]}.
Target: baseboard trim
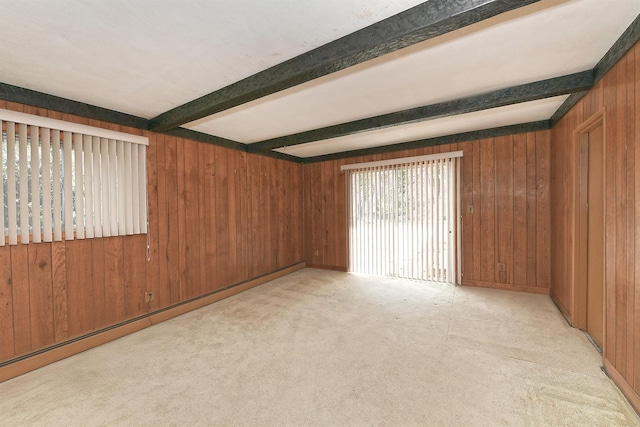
{"points": [[328, 267], [626, 388], [505, 287], [561, 307], [21, 365]]}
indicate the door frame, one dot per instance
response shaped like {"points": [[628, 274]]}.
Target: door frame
{"points": [[579, 270]]}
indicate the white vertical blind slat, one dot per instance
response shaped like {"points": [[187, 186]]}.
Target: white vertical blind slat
{"points": [[57, 185], [113, 188], [128, 190], [12, 197], [45, 144], [78, 179], [106, 188], [87, 145], [67, 185], [122, 222], [24, 183], [142, 186], [2, 221], [35, 183], [135, 190], [97, 188]]}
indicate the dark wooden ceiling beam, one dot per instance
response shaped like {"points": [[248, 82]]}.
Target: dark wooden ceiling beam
{"points": [[425, 21], [430, 142], [51, 102], [625, 42], [499, 98]]}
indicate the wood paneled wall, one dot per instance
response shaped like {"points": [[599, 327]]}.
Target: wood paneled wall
{"points": [[505, 180], [216, 217], [618, 95]]}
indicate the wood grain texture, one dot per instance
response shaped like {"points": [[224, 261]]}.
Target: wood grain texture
{"points": [[618, 96], [206, 211], [41, 295], [7, 348], [21, 303], [501, 185]]}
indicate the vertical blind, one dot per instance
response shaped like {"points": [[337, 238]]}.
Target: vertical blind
{"points": [[64, 180], [404, 217]]}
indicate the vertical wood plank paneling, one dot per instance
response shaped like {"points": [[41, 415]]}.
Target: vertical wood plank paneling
{"points": [[532, 209], [210, 218], [629, 225], [60, 300], [487, 212], [101, 282], [190, 223], [222, 215], [21, 306], [233, 217], [183, 232], [273, 214], [542, 208], [80, 296], [135, 280], [282, 213], [467, 201], [41, 295], [504, 207], [265, 208], [173, 231], [202, 217], [620, 220], [241, 218], [636, 231], [164, 278], [610, 215], [341, 214], [561, 196], [489, 185], [113, 279], [520, 210], [99, 306], [7, 348], [476, 273], [153, 276], [617, 94]]}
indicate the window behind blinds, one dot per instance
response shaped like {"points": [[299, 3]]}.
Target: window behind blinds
{"points": [[404, 216], [61, 180]]}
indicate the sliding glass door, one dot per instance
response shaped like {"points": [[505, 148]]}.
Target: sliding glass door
{"points": [[403, 217]]}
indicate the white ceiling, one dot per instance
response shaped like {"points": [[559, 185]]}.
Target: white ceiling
{"points": [[487, 119], [148, 56], [553, 38]]}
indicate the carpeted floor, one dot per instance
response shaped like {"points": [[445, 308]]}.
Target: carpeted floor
{"points": [[327, 348]]}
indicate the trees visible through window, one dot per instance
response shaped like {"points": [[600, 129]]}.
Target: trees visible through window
{"points": [[403, 218], [64, 181]]}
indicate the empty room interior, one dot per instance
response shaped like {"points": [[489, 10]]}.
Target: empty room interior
{"points": [[380, 212]]}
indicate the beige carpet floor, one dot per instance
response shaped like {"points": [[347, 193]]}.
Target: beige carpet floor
{"points": [[334, 349]]}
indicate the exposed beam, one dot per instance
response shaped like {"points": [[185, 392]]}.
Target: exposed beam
{"points": [[63, 105], [206, 138], [227, 143], [625, 42], [441, 140], [280, 156], [425, 21], [513, 95], [567, 105]]}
